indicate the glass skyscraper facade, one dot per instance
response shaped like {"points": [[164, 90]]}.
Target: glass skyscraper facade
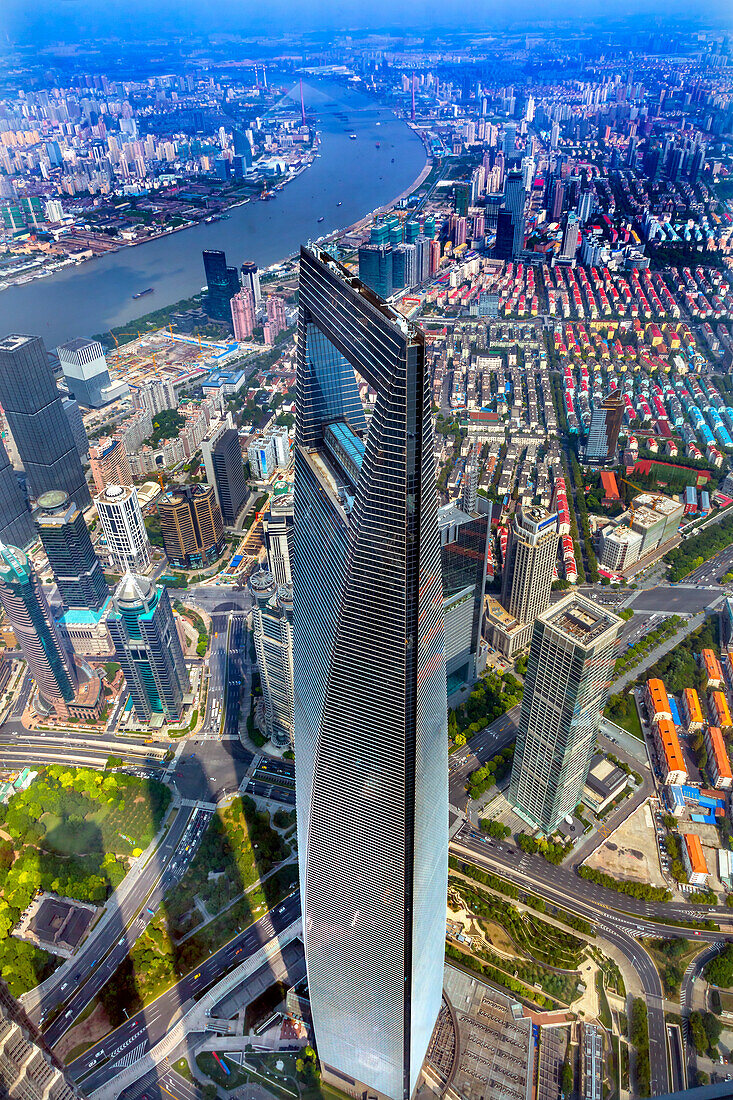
{"points": [[68, 545], [571, 659], [369, 685], [35, 412], [222, 283], [16, 524], [464, 549]]}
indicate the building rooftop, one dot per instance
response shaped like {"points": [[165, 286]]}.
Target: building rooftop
{"points": [[580, 620]]}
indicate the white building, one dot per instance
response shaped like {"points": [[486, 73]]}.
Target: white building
{"points": [[619, 548], [155, 396], [124, 529]]}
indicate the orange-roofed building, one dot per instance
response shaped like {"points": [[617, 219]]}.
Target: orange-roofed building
{"points": [[610, 487], [669, 751], [718, 761], [712, 667], [692, 710], [657, 701], [720, 710], [694, 860]]}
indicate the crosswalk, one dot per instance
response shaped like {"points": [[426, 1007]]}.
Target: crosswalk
{"points": [[131, 1056]]}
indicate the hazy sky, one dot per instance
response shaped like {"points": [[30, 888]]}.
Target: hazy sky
{"points": [[75, 20]]}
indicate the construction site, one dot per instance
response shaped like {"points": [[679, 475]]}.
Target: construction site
{"points": [[166, 356]]}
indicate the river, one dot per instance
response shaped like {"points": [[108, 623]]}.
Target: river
{"points": [[97, 295]]}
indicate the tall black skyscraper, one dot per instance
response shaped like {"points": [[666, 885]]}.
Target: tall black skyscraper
{"points": [[35, 412], [16, 525], [222, 283], [514, 199], [69, 550], [224, 467]]}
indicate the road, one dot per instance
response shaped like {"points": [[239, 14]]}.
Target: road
{"points": [[687, 990], [140, 1033], [217, 662], [710, 571], [100, 959], [162, 1083]]}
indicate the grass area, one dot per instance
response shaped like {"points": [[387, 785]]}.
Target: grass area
{"points": [[605, 1008], [182, 1067], [621, 709], [208, 1064], [261, 1069]]}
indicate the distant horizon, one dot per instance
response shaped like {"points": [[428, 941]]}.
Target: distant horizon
{"points": [[70, 21]]}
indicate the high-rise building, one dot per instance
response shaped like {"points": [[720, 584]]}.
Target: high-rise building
{"points": [[29, 615], [272, 634], [65, 537], [148, 648], [16, 524], [570, 237], [370, 686], [76, 423], [526, 579], [375, 268], [462, 194], [277, 527], [191, 526], [110, 464], [28, 1068], [243, 314], [124, 528], [85, 370], [571, 659], [251, 281], [222, 283], [35, 413], [514, 199], [276, 314], [605, 425], [464, 544], [222, 455], [155, 395]]}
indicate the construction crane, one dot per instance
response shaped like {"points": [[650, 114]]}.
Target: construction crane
{"points": [[631, 509]]}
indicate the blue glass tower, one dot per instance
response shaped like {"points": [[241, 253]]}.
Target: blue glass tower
{"points": [[369, 685]]}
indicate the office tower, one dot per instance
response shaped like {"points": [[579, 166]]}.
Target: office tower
{"points": [[461, 193], [28, 1068], [464, 544], [369, 675], [148, 648], [222, 455], [504, 244], [29, 615], [242, 147], [375, 268], [412, 231], [35, 413], [526, 580], [570, 238], [124, 528], [565, 688], [76, 423], [191, 526], [428, 227], [272, 634], [16, 524], [277, 527], [696, 163], [404, 261], [222, 283], [243, 314], [433, 257], [423, 258], [155, 395], [75, 566], [510, 140], [251, 281], [110, 464], [514, 199], [586, 206], [605, 425], [85, 370], [557, 199], [554, 135], [528, 171]]}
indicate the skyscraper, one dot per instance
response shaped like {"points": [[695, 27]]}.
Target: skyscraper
{"points": [[277, 527], [570, 663], [148, 648], [570, 237], [191, 526], [605, 425], [35, 412], [272, 634], [514, 199], [26, 607], [526, 579], [124, 528], [251, 281], [85, 370], [222, 283], [28, 1068], [70, 553], [16, 525], [375, 268], [243, 314], [370, 688], [222, 455]]}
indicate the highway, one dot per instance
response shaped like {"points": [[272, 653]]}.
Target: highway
{"points": [[100, 958], [140, 1033], [162, 1083]]}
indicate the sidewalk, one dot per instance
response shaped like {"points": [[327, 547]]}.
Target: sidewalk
{"points": [[638, 670]]}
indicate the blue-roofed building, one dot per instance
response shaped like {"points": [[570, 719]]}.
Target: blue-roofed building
{"points": [[224, 381], [674, 711]]}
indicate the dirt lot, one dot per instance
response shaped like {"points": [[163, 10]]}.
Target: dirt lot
{"points": [[80, 1037], [631, 851]]}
